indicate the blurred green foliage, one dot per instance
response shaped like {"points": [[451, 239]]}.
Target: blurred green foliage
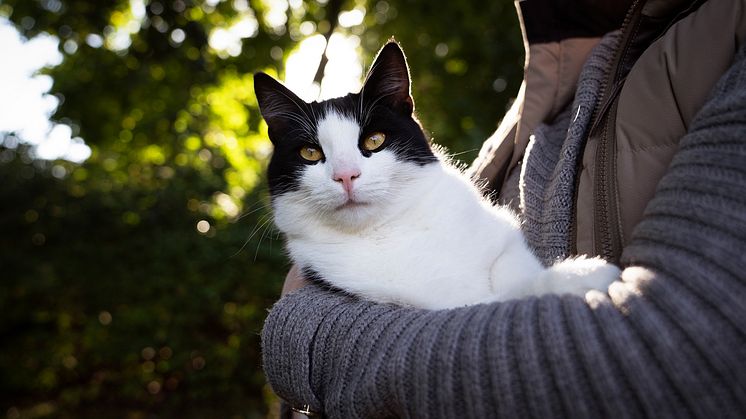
{"points": [[135, 284]]}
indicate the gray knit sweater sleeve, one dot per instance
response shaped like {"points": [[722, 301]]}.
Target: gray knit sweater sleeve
{"points": [[668, 341]]}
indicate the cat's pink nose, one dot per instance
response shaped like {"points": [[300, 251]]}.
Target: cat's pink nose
{"points": [[345, 177]]}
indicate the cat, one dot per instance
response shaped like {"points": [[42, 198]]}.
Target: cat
{"points": [[368, 206]]}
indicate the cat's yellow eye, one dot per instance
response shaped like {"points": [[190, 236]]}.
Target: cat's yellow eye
{"points": [[374, 141], [311, 153]]}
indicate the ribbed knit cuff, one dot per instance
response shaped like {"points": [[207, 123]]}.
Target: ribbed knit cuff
{"points": [[286, 341]]}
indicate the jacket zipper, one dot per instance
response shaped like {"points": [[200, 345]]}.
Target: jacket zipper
{"points": [[606, 214], [607, 224], [638, 32], [605, 153]]}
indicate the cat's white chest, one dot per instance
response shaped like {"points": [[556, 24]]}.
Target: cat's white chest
{"points": [[410, 267]]}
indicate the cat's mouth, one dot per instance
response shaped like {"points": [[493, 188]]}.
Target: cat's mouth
{"points": [[352, 204]]}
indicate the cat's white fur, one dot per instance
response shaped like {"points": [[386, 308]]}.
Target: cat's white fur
{"points": [[416, 235]]}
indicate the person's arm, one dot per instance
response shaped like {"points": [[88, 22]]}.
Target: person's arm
{"points": [[668, 341]]}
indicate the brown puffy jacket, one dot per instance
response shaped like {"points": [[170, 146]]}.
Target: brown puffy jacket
{"points": [[670, 55]]}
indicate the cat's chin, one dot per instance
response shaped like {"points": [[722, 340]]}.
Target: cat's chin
{"points": [[352, 216]]}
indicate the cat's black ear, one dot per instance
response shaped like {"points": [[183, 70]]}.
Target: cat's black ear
{"points": [[388, 80], [276, 103]]}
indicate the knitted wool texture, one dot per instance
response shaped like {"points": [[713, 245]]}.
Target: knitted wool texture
{"points": [[547, 181], [667, 342]]}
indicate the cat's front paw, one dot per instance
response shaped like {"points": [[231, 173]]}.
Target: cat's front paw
{"points": [[577, 276]]}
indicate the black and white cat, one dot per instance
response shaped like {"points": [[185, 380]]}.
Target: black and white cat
{"points": [[366, 204]]}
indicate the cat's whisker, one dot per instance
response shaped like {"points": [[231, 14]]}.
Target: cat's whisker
{"points": [[261, 223], [463, 152], [268, 227], [262, 206], [305, 127], [302, 106]]}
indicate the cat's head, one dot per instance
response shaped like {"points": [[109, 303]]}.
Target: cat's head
{"points": [[344, 160]]}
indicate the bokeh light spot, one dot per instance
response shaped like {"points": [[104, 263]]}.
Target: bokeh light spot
{"points": [[104, 318], [147, 353], [69, 362], [203, 226], [154, 387]]}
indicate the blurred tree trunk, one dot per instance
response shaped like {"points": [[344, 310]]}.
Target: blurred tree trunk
{"points": [[332, 9]]}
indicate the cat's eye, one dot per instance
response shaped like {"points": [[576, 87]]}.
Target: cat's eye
{"points": [[374, 141], [311, 153]]}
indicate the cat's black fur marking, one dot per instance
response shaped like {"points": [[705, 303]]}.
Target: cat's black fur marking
{"points": [[314, 277], [386, 107], [388, 80]]}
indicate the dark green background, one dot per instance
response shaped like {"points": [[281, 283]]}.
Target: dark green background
{"points": [[113, 304]]}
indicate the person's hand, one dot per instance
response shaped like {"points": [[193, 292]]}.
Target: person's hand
{"points": [[293, 281]]}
